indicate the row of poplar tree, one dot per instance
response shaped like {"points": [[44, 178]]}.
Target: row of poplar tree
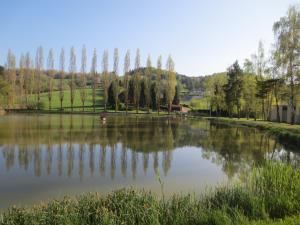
{"points": [[27, 81], [264, 83]]}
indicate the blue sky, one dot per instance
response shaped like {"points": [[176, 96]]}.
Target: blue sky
{"points": [[203, 37]]}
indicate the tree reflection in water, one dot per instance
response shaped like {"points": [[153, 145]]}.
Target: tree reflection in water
{"points": [[61, 143]]}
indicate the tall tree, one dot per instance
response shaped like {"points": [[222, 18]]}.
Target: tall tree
{"points": [[249, 91], [214, 92], [260, 67], [105, 77], [51, 72], [94, 78], [137, 80], [126, 78], [11, 77], [62, 76], [39, 65], [233, 88], [287, 31], [147, 82], [72, 70], [170, 82], [22, 67], [115, 81], [158, 82], [29, 78], [83, 92]]}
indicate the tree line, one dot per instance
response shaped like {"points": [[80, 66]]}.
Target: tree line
{"points": [[149, 87], [263, 82]]}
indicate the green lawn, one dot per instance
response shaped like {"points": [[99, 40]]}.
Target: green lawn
{"points": [[196, 103], [67, 103]]}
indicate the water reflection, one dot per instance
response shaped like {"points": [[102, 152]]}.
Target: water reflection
{"points": [[65, 144]]}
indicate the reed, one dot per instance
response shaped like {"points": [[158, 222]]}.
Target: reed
{"points": [[271, 195]]}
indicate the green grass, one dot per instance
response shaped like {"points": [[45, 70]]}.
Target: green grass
{"points": [[196, 103], [67, 103], [271, 195]]}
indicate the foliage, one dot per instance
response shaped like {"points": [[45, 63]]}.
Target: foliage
{"points": [[233, 88]]}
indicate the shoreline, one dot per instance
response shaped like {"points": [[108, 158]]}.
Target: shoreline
{"points": [[290, 134]]}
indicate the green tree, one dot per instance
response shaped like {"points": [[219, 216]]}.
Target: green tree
{"points": [[115, 79], [62, 76], [287, 31], [83, 91], [50, 76], [147, 83], [126, 78], [249, 94], [233, 88], [39, 65], [158, 83], [214, 92], [137, 80], [72, 70], [259, 63], [105, 77], [94, 78], [170, 82], [22, 66], [11, 78]]}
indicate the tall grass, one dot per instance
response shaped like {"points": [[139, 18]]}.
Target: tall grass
{"points": [[271, 195]]}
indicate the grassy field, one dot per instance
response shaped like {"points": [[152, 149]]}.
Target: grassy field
{"points": [[271, 195], [196, 103], [67, 102]]}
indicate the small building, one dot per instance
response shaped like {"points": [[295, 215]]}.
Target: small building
{"points": [[285, 114]]}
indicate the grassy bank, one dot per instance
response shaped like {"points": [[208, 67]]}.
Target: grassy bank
{"points": [[290, 134], [270, 196]]}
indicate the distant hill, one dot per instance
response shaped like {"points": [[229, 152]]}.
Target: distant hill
{"points": [[188, 84]]}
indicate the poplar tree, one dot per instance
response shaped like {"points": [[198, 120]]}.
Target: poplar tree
{"points": [[22, 67], [51, 71], [83, 92], [11, 77], [105, 78], [72, 70], [62, 75], [158, 82], [170, 82], [29, 78], [147, 82], [260, 67], [115, 80], [39, 65], [136, 80], [94, 77], [126, 77]]}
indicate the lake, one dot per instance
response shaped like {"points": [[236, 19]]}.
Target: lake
{"points": [[49, 156]]}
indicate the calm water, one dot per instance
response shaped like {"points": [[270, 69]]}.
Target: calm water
{"points": [[48, 156]]}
